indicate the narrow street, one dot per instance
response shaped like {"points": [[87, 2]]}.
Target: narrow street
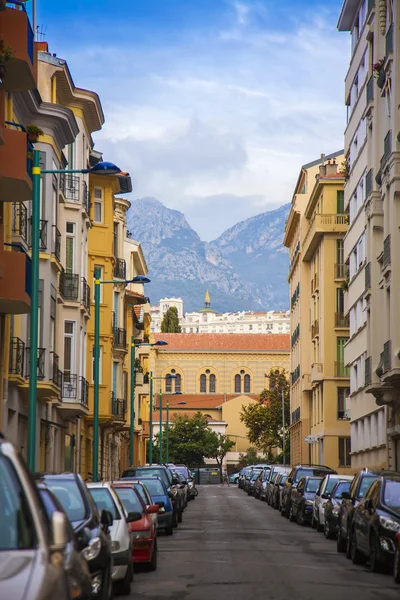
{"points": [[231, 546]]}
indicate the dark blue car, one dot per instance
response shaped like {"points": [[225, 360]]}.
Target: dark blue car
{"points": [[159, 495]]}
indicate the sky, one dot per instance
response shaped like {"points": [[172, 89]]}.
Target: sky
{"points": [[211, 105]]}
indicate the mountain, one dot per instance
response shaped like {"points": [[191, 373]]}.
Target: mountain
{"points": [[244, 269]]}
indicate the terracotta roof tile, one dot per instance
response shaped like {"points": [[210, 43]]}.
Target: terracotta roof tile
{"points": [[263, 342], [188, 413], [199, 401]]}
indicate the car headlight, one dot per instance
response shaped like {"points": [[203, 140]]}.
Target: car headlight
{"points": [[92, 550], [309, 502], [161, 509], [389, 524], [141, 535], [335, 510], [115, 546]]}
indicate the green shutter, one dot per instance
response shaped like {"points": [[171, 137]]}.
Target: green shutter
{"points": [[69, 254], [340, 202]]}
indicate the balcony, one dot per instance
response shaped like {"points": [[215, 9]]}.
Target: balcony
{"points": [[386, 260], [120, 268], [341, 321], [85, 197], [20, 221], [17, 355], [42, 235], [319, 225], [17, 33], [315, 329], [306, 383], [119, 338], [85, 295], [368, 276], [56, 250], [340, 271], [117, 407], [369, 182], [341, 370], [317, 372], [83, 391], [69, 386], [40, 363], [75, 392], [69, 185], [387, 149], [15, 172], [314, 283], [69, 286], [386, 356], [389, 40], [368, 371], [16, 282], [56, 373], [370, 89]]}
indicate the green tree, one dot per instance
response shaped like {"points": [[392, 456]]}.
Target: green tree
{"points": [[251, 457], [188, 440], [217, 446], [170, 322], [264, 419]]}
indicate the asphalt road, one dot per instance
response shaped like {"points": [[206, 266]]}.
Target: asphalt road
{"points": [[231, 546]]}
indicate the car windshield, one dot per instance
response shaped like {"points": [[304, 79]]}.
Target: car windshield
{"points": [[69, 494], [255, 475], [391, 494], [105, 501], [284, 477], [366, 484], [154, 486], [332, 481], [341, 487], [182, 471], [150, 472], [129, 499], [17, 530], [313, 485]]}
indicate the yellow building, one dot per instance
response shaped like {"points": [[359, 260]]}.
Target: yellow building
{"points": [[216, 374], [314, 234]]}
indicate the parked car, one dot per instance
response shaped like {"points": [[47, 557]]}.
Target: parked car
{"points": [[144, 531], [293, 479], [376, 523], [359, 487], [270, 483], [27, 544], [234, 478], [302, 500], [242, 475], [91, 528], [169, 480], [143, 492], [327, 485], [160, 496], [332, 508], [250, 485], [106, 498], [260, 485], [182, 490], [76, 567], [278, 489]]}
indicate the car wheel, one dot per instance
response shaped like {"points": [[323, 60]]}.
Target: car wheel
{"points": [[356, 556], [348, 543], [123, 587], [291, 515], [153, 562], [375, 565], [319, 526], [300, 518], [327, 530], [174, 520], [340, 542], [396, 566], [180, 516]]}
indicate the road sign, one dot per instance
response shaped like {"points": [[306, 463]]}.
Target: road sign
{"points": [[310, 439]]}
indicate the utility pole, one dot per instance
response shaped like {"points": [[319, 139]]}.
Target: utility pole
{"points": [[283, 426]]}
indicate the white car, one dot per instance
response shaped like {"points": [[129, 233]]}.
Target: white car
{"points": [[321, 497], [106, 498]]}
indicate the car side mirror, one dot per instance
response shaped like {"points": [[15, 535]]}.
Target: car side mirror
{"points": [[153, 508], [346, 495], [325, 496], [175, 481], [133, 516], [106, 519], [59, 527], [368, 504]]}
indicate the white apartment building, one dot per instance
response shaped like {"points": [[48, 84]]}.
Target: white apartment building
{"points": [[372, 95]]}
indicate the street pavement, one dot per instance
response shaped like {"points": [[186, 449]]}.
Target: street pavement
{"points": [[231, 546]]}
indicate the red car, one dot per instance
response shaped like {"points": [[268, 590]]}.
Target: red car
{"points": [[144, 532]]}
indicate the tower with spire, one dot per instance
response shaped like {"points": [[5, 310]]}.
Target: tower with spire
{"points": [[207, 304]]}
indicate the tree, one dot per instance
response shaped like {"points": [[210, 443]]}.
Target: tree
{"points": [[170, 322], [251, 458], [218, 445], [264, 419]]}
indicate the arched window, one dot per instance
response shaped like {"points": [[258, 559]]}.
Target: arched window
{"points": [[203, 383], [238, 383], [168, 383], [213, 380], [178, 383], [247, 384]]}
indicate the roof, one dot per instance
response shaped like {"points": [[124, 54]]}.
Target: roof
{"points": [[186, 413], [231, 342], [200, 401], [332, 176]]}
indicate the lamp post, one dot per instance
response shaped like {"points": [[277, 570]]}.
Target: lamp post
{"points": [[96, 375], [102, 168], [170, 376], [167, 429]]}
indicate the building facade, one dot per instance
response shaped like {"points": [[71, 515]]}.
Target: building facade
{"points": [[372, 94], [302, 281]]}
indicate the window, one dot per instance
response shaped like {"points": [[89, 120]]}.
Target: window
{"points": [[100, 364], [98, 205], [342, 394], [203, 383], [70, 247], [116, 240], [168, 383], [340, 202], [238, 384], [178, 383], [344, 452], [98, 271], [247, 384], [212, 383], [69, 347]]}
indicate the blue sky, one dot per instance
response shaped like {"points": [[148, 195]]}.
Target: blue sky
{"points": [[211, 105]]}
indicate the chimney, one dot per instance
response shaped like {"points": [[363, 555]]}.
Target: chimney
{"points": [[42, 46], [322, 170], [331, 168]]}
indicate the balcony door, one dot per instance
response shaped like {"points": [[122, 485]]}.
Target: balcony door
{"points": [[116, 303], [115, 378], [69, 349], [70, 248]]}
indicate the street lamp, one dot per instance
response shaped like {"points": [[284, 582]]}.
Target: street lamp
{"points": [[167, 429], [96, 375], [132, 398], [170, 376], [101, 168]]}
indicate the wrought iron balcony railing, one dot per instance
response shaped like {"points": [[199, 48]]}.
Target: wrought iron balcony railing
{"points": [[119, 338], [56, 242], [42, 234], [17, 355], [117, 407], [340, 271], [295, 417], [120, 268], [83, 391], [40, 362], [56, 373], [20, 221], [387, 356], [69, 286], [85, 294], [70, 187], [69, 386]]}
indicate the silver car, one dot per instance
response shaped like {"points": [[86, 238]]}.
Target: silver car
{"points": [[31, 555]]}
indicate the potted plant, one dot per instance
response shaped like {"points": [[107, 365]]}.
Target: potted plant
{"points": [[6, 54], [345, 169], [379, 73], [138, 366], [33, 132]]}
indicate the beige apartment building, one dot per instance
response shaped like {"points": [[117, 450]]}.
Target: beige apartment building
{"points": [[303, 233], [372, 96]]}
